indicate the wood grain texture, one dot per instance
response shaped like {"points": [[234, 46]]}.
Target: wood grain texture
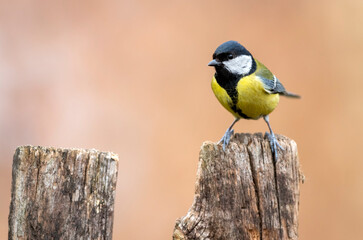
{"points": [[242, 194], [62, 193]]}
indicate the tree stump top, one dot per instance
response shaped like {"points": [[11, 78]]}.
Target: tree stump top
{"points": [[241, 193]]}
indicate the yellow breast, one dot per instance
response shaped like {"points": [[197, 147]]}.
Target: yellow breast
{"points": [[253, 100]]}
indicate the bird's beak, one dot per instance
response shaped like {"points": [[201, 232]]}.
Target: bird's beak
{"points": [[214, 63]]}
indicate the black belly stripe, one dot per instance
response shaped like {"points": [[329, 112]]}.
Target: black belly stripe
{"points": [[229, 83], [239, 111]]}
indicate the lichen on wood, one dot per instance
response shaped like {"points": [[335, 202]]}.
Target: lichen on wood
{"points": [[62, 193], [242, 193]]}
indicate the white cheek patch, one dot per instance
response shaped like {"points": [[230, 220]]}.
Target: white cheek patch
{"points": [[240, 65]]}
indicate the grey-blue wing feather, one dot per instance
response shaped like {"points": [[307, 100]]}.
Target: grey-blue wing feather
{"points": [[272, 85]]}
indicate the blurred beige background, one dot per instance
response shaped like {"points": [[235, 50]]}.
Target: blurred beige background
{"points": [[131, 77]]}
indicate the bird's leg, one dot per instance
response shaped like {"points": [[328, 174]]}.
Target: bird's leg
{"points": [[272, 139], [227, 136]]}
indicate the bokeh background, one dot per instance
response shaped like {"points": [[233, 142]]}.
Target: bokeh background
{"points": [[131, 77]]}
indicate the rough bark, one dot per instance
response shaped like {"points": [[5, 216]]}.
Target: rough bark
{"points": [[62, 194], [241, 193]]}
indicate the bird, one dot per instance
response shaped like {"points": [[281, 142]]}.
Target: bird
{"points": [[246, 88]]}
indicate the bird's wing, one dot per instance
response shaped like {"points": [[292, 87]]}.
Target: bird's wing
{"points": [[270, 83]]}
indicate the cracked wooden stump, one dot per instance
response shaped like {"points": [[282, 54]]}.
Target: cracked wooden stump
{"points": [[62, 194], [241, 194]]}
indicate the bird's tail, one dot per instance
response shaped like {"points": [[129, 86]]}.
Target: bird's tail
{"points": [[289, 94]]}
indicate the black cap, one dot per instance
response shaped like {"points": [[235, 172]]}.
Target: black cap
{"points": [[231, 47]]}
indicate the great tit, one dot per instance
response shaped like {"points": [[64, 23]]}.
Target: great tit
{"points": [[245, 87]]}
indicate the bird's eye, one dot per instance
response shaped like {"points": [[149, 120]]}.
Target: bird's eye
{"points": [[230, 56]]}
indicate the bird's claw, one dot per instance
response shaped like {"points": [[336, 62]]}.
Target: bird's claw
{"points": [[274, 144], [226, 138]]}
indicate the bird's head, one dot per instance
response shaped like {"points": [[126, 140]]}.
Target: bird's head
{"points": [[232, 57]]}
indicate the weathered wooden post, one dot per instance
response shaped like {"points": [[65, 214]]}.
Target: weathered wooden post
{"points": [[242, 194], [62, 194]]}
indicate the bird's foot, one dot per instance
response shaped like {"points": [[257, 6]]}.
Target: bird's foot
{"points": [[226, 138], [274, 144]]}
